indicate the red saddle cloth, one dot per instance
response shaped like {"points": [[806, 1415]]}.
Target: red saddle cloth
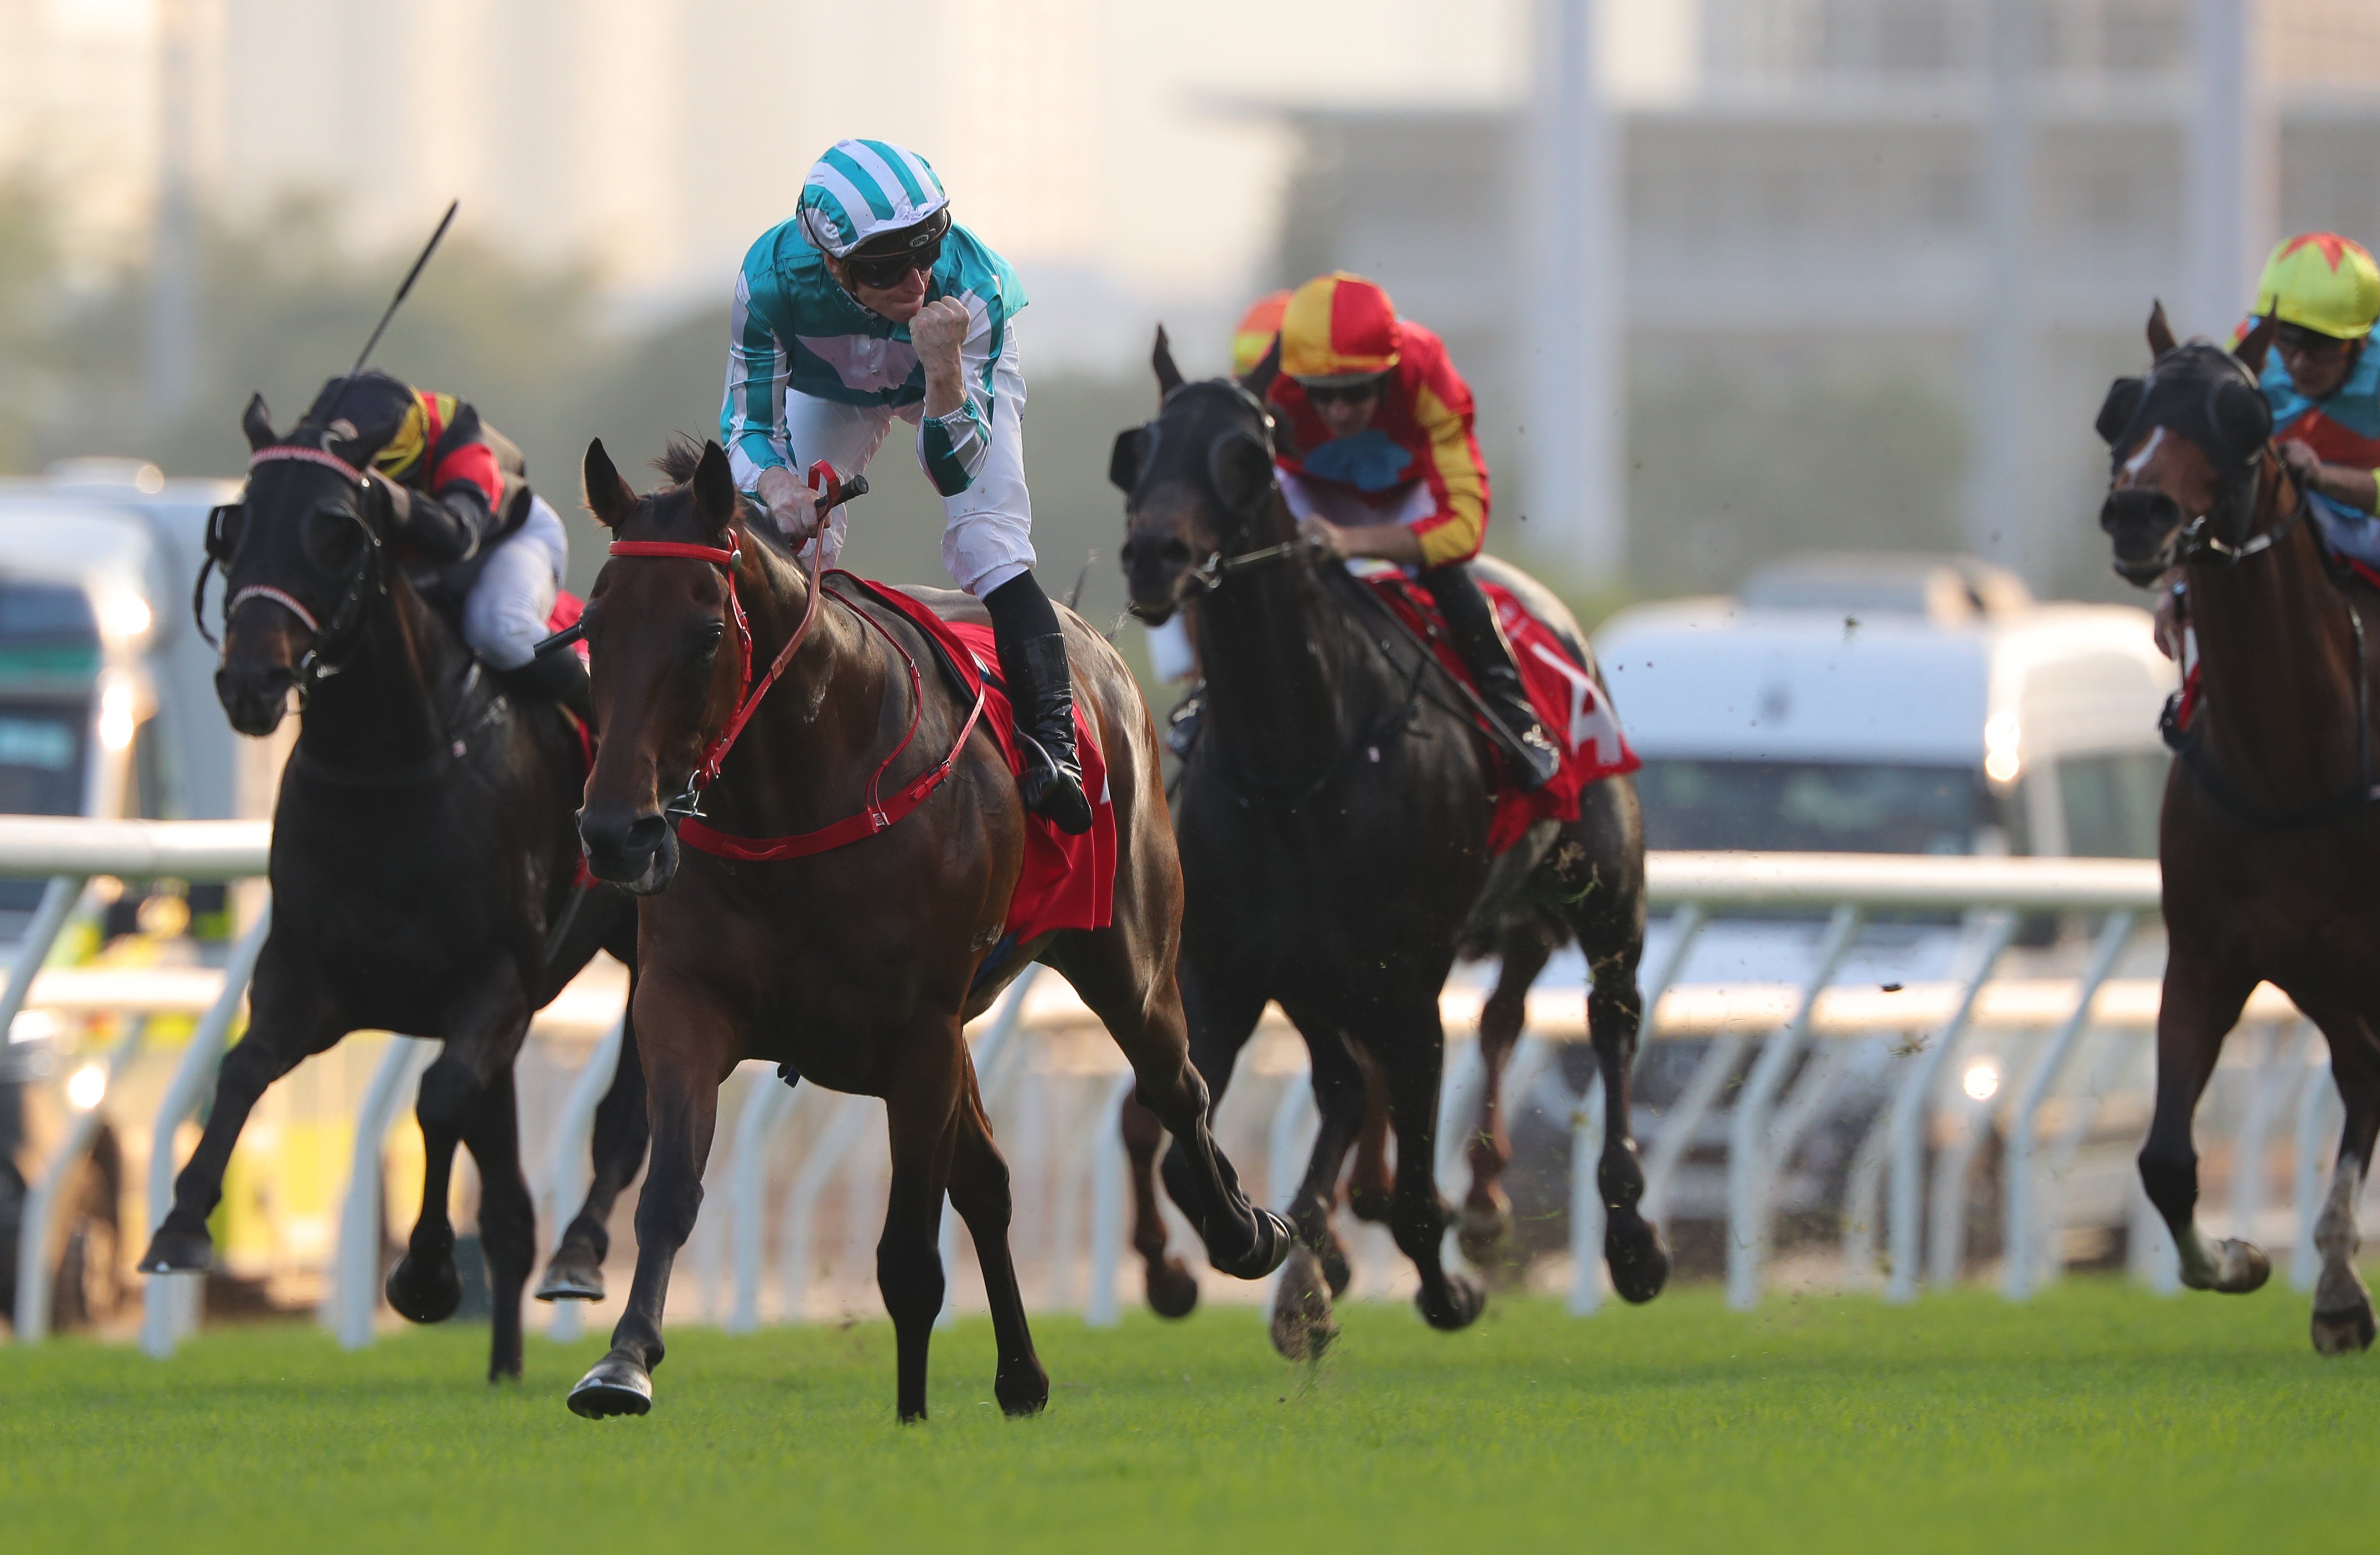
{"points": [[1572, 707], [1066, 882]]}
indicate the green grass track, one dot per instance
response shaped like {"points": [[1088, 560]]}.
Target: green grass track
{"points": [[2096, 1418]]}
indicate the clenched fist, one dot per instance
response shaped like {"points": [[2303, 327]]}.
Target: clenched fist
{"points": [[936, 333]]}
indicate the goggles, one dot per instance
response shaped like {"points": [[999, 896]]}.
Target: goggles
{"points": [[1350, 392], [896, 254], [2300, 340]]}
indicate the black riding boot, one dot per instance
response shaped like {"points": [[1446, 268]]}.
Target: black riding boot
{"points": [[1041, 688], [557, 677], [1470, 622]]}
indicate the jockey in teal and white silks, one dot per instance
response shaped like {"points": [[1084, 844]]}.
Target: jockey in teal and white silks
{"points": [[870, 304]]}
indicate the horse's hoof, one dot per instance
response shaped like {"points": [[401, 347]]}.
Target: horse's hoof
{"points": [[573, 1275], [179, 1252], [1639, 1264], [1173, 1289], [2345, 1332], [1022, 1389], [1335, 1267], [2244, 1267], [617, 1384], [1484, 1235], [1302, 1329], [421, 1294], [1457, 1305], [1264, 1250]]}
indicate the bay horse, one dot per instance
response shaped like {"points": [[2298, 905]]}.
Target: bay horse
{"points": [[851, 947], [2269, 841], [424, 870], [1333, 821]]}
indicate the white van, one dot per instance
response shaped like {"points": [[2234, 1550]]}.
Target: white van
{"points": [[1886, 704]]}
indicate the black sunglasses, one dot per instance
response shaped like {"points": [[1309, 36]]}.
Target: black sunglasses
{"points": [[889, 271], [1323, 393], [2307, 341]]}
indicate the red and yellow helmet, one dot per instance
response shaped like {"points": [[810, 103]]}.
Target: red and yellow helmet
{"points": [[2321, 281], [1338, 328], [1258, 329]]}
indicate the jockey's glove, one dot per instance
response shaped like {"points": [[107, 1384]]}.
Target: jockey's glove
{"points": [[428, 523]]}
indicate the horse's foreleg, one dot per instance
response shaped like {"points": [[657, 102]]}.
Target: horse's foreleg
{"points": [[622, 1129], [684, 1066], [291, 1021], [979, 1192], [507, 1217], [1485, 1230], [1410, 1047], [2342, 1306], [1172, 1290], [921, 1115], [1316, 1271], [1632, 1245], [2198, 1010]]}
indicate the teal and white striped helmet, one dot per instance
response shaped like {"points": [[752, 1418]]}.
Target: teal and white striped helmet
{"points": [[862, 190]]}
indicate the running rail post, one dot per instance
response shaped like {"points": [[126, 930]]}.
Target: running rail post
{"points": [[169, 1302], [58, 899], [2253, 1157], [1910, 1106], [2021, 1258], [1587, 1211], [746, 1186], [566, 1169], [1747, 1131], [2305, 1160], [353, 1300], [1107, 1208], [41, 1203], [1685, 927]]}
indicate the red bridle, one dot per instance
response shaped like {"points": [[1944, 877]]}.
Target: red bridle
{"points": [[877, 813]]}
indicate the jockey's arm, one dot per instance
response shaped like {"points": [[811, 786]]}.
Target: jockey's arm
{"points": [[752, 418], [1391, 542], [956, 351], [2359, 489]]}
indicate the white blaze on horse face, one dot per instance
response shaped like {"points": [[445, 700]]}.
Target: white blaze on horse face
{"points": [[2139, 460]]}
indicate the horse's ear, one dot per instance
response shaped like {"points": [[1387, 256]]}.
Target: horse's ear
{"points": [[257, 422], [2161, 338], [1241, 468], [608, 496], [714, 488], [1130, 456], [2116, 412], [1260, 377], [1168, 377], [2254, 345]]}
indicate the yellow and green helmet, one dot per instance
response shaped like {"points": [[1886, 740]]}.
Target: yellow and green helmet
{"points": [[2321, 281]]}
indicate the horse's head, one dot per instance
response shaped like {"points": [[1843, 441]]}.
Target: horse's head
{"points": [[300, 555], [663, 657], [1197, 483], [2187, 446]]}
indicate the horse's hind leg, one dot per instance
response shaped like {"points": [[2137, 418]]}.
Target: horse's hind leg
{"points": [[2198, 1008], [507, 1217], [683, 1074], [1172, 1290], [2342, 1306], [1484, 1232], [292, 1020], [622, 1128], [1632, 1245], [979, 1192], [1137, 997]]}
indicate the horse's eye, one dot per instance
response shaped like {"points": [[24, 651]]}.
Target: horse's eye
{"points": [[706, 643], [329, 537]]}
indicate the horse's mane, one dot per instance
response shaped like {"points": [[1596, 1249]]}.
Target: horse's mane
{"points": [[677, 464]]}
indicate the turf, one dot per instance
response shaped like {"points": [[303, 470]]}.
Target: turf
{"points": [[2096, 1418]]}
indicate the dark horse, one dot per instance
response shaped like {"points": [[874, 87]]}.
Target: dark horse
{"points": [[853, 966], [2270, 842], [424, 869], [1333, 822]]}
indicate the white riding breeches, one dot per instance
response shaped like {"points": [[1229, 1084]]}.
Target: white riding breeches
{"points": [[988, 528], [504, 617]]}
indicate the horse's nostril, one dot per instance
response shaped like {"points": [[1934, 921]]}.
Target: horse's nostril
{"points": [[644, 834], [1174, 553]]}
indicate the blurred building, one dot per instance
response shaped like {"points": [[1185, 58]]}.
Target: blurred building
{"points": [[1809, 273]]}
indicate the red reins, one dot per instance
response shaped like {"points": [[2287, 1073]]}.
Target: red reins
{"points": [[876, 813]]}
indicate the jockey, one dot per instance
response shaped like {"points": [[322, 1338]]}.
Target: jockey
{"points": [[870, 303], [456, 492], [1384, 463], [2323, 380]]}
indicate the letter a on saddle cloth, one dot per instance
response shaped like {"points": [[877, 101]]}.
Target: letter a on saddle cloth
{"points": [[1065, 882], [1571, 705]]}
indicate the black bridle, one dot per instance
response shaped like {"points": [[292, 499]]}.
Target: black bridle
{"points": [[336, 639]]}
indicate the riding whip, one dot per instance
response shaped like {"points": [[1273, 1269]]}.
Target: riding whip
{"points": [[404, 288]]}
